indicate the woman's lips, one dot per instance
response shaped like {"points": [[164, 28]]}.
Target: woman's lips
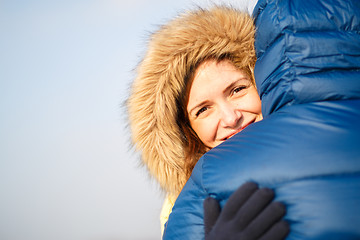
{"points": [[239, 130]]}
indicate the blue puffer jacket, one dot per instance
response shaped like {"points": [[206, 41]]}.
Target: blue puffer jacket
{"points": [[307, 148]]}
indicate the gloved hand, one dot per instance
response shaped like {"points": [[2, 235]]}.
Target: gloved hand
{"points": [[248, 214]]}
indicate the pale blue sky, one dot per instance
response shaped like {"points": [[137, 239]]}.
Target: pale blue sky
{"points": [[66, 171]]}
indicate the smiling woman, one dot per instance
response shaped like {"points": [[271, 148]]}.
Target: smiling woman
{"points": [[194, 89], [222, 101], [179, 53]]}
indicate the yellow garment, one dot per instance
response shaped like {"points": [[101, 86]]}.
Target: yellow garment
{"points": [[166, 210]]}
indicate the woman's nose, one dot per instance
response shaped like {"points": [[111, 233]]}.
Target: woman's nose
{"points": [[230, 116]]}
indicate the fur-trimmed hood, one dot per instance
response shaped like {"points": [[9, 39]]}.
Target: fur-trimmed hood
{"points": [[173, 51]]}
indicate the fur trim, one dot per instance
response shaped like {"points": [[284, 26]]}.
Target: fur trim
{"points": [[172, 52]]}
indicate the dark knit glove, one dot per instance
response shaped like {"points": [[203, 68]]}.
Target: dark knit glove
{"points": [[248, 214]]}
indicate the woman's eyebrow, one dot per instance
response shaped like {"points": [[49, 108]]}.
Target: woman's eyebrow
{"points": [[231, 86], [198, 106], [234, 83]]}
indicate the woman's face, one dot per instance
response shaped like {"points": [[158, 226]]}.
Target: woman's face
{"points": [[222, 102]]}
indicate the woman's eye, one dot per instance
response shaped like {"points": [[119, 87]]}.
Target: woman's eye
{"points": [[203, 109], [238, 89]]}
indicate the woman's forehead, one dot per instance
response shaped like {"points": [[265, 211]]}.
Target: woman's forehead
{"points": [[213, 78]]}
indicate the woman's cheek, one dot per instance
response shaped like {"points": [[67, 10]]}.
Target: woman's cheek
{"points": [[198, 127], [209, 130]]}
